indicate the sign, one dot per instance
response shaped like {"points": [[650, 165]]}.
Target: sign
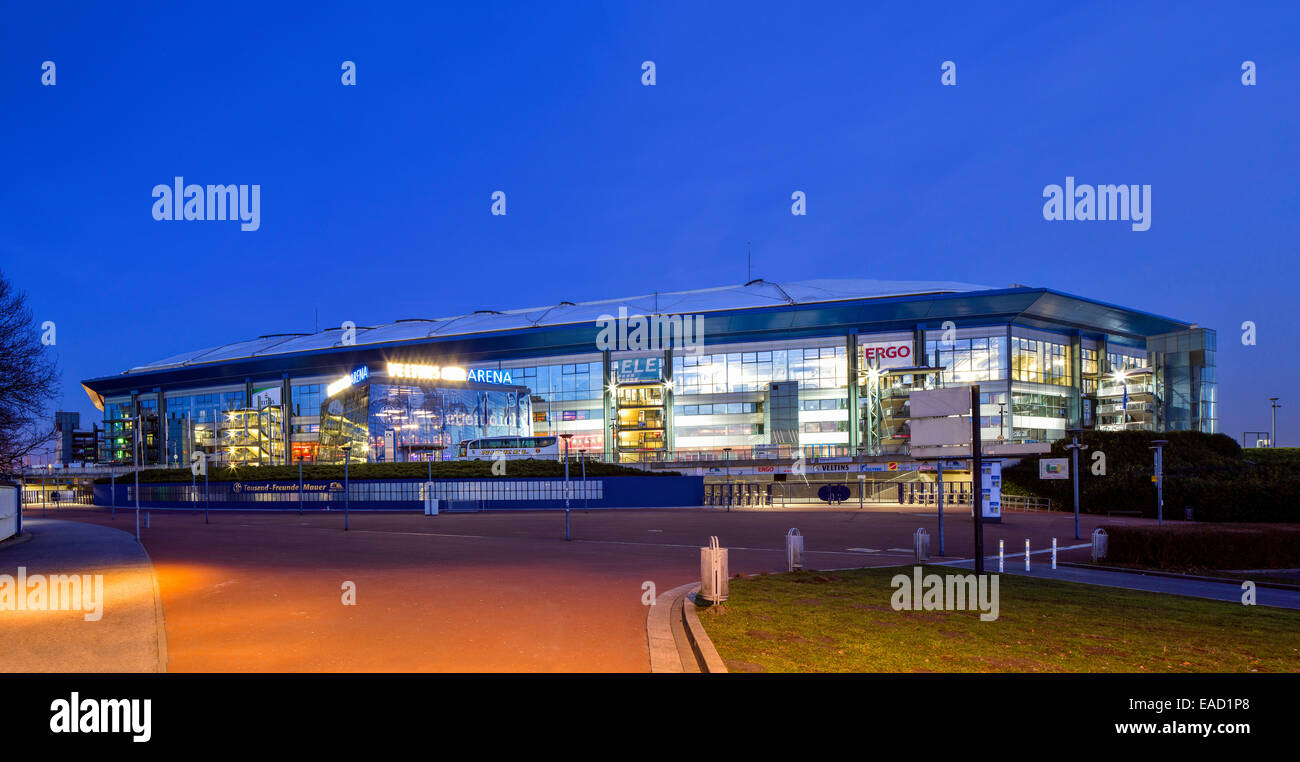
{"points": [[886, 354], [641, 370], [991, 483], [267, 396], [931, 403], [833, 493], [1054, 468], [447, 373], [350, 380], [256, 488]]}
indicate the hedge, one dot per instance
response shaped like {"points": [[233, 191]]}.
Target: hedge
{"points": [[1200, 546], [1208, 473], [451, 469]]}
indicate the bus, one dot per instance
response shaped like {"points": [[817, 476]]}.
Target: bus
{"points": [[491, 448]]}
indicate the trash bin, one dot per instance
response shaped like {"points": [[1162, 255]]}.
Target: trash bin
{"points": [[793, 550], [713, 572]]}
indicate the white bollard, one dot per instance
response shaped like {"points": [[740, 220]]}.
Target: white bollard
{"points": [[1001, 558], [1026, 554], [1053, 554]]}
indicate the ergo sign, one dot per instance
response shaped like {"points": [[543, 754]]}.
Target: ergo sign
{"points": [[887, 354]]}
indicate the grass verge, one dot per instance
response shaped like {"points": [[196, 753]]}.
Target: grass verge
{"points": [[842, 622]]}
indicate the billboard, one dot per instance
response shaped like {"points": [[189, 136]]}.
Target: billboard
{"points": [[1053, 468]]}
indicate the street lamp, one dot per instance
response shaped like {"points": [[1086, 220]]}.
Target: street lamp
{"points": [[1002, 429], [726, 457], [1159, 446], [566, 438], [346, 447], [862, 478], [1272, 438], [1075, 448]]}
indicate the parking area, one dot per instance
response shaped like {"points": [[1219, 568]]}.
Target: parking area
{"points": [[490, 591]]}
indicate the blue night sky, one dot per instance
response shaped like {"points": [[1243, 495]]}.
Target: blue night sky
{"points": [[376, 200]]}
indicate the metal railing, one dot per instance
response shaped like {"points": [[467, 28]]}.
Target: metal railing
{"points": [[1024, 503]]}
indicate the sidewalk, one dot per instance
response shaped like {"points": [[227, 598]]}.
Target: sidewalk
{"points": [[1217, 591], [128, 637]]}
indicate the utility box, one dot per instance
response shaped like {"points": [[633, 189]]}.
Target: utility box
{"points": [[921, 545], [793, 550], [430, 502], [1100, 544], [713, 572]]}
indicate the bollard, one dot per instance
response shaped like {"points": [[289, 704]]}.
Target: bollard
{"points": [[921, 545], [1001, 558], [713, 572], [793, 550], [1026, 554], [1053, 554], [1100, 544], [146, 520]]}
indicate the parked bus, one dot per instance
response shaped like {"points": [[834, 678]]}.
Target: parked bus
{"points": [[491, 448]]}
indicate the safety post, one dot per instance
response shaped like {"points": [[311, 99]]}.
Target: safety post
{"points": [[1026, 554], [1053, 554], [1001, 557]]}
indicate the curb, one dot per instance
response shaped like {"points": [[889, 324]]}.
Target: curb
{"points": [[664, 656], [158, 619], [701, 646], [17, 539]]}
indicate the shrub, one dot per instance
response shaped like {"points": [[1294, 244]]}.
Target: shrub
{"points": [[1208, 473], [1198, 546]]}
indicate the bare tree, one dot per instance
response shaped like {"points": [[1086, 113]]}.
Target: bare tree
{"points": [[29, 381]]}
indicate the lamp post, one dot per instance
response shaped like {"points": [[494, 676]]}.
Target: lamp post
{"points": [[586, 508], [1002, 428], [566, 438], [346, 447], [1272, 437], [1075, 448], [135, 457], [862, 479], [726, 457], [1158, 445]]}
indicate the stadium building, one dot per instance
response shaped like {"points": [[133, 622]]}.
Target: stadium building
{"points": [[822, 365]]}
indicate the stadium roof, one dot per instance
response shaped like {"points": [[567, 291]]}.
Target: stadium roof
{"points": [[755, 294]]}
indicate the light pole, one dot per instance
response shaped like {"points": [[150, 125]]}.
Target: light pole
{"points": [[862, 479], [135, 457], [1075, 448], [586, 508], [1159, 446], [347, 458], [1002, 429], [566, 438], [1272, 438], [726, 457]]}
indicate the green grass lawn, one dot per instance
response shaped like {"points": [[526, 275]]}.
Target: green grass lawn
{"points": [[842, 622]]}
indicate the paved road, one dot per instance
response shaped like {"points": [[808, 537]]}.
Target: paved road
{"points": [[126, 638], [478, 592]]}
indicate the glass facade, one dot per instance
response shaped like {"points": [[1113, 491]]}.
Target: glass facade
{"points": [[397, 422], [835, 392]]}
